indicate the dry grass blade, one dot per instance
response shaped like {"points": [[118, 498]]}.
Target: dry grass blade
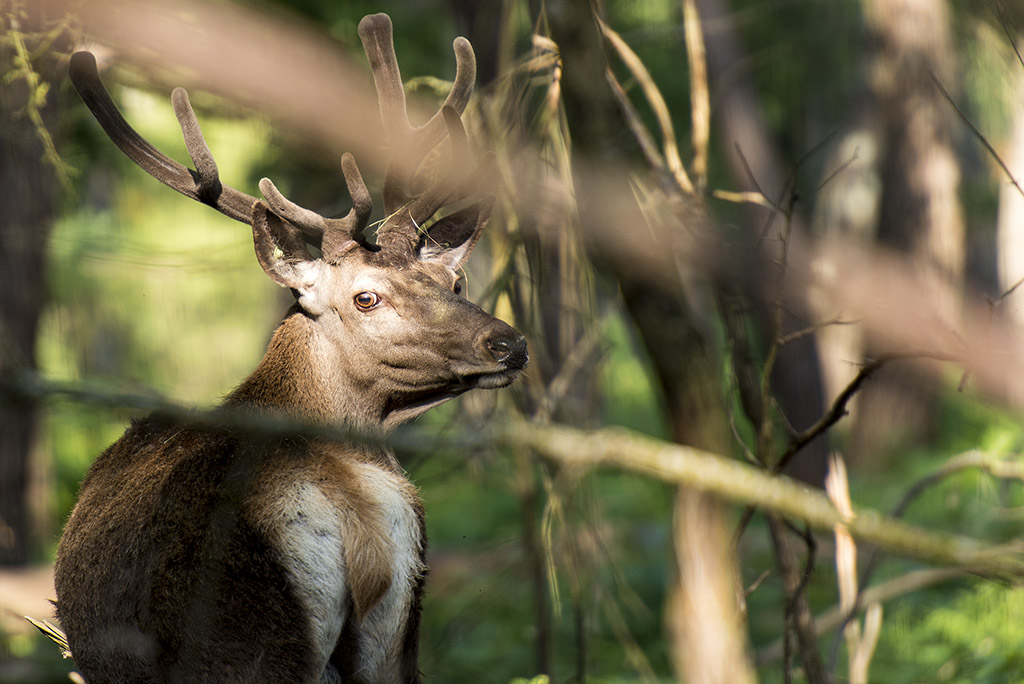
{"points": [[747, 197], [54, 633], [643, 137], [700, 99], [658, 106]]}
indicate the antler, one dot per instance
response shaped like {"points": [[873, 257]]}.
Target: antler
{"points": [[333, 236], [406, 211], [338, 235], [202, 185]]}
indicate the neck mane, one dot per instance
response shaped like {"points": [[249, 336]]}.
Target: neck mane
{"points": [[297, 378]]}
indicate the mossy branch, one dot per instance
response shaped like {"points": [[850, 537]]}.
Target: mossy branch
{"points": [[729, 479], [743, 484], [37, 88]]}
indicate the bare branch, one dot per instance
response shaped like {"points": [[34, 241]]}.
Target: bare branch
{"points": [[741, 483], [978, 134], [812, 329], [658, 106], [834, 617], [703, 470], [798, 611], [839, 410]]}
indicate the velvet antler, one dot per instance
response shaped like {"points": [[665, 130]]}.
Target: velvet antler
{"points": [[407, 210]]}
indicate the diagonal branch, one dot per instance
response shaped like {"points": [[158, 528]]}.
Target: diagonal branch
{"points": [[978, 134], [838, 409], [674, 463]]}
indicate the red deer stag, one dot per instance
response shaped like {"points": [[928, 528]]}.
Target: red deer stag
{"points": [[200, 554]]}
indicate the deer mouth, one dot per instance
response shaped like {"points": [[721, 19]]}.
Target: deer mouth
{"points": [[496, 380], [412, 406]]}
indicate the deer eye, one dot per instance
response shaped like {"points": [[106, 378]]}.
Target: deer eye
{"points": [[365, 301], [457, 287]]}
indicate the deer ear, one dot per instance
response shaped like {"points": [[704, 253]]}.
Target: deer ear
{"points": [[451, 240], [283, 254]]}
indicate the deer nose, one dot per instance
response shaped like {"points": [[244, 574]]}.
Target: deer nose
{"points": [[508, 348]]}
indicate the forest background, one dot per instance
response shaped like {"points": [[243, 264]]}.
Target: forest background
{"points": [[784, 235]]}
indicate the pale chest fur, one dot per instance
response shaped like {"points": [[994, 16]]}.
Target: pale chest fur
{"points": [[349, 535]]}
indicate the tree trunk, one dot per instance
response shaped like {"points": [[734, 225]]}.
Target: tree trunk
{"points": [[1011, 220], [797, 374], [28, 185], [919, 211]]}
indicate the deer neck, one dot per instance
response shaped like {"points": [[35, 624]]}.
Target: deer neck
{"points": [[303, 376]]}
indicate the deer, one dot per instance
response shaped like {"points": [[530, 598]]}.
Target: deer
{"points": [[215, 554]]}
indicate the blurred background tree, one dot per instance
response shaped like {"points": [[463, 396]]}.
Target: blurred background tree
{"points": [[828, 112]]}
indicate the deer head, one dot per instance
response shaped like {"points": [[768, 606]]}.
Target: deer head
{"points": [[383, 333]]}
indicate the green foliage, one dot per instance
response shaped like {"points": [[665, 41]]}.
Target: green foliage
{"points": [[632, 400], [539, 679], [969, 636], [22, 50]]}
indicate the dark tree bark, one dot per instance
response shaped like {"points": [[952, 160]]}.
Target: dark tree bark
{"points": [[29, 187], [797, 374], [919, 210]]}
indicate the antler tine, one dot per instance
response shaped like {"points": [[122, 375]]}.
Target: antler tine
{"points": [[449, 182], [401, 234], [376, 34], [349, 230], [465, 76], [433, 131], [309, 222], [410, 143], [335, 236], [362, 202], [202, 185], [207, 177]]}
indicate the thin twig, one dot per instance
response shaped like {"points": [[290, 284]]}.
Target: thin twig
{"points": [[658, 106], [753, 180], [842, 167], [978, 134], [797, 609], [643, 137], [811, 329], [1009, 33], [834, 617], [992, 305], [838, 410], [1007, 293]]}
